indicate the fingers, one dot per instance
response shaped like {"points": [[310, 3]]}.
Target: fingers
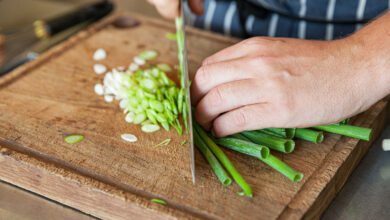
{"points": [[261, 46], [167, 8], [196, 6], [228, 97], [213, 75], [251, 117]]}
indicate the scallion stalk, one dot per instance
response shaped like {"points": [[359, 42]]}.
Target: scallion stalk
{"points": [[347, 130], [309, 135], [273, 142], [215, 165], [224, 160]]}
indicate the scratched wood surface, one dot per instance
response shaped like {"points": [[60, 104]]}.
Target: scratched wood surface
{"points": [[52, 97]]}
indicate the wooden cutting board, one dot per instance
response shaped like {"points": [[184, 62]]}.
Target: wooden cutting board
{"points": [[52, 97]]}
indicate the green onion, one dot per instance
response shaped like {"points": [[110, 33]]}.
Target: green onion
{"points": [[240, 136], [159, 201], [283, 168], [215, 165], [309, 135], [273, 142], [183, 143], [347, 130], [148, 54], [171, 36], [284, 132], [164, 142], [139, 118], [164, 67], [72, 139], [224, 160], [150, 128], [244, 147]]}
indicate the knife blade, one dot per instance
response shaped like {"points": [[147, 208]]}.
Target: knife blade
{"points": [[185, 81]]}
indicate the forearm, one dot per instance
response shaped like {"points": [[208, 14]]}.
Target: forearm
{"points": [[373, 45]]}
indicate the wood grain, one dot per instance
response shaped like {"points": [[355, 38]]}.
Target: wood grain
{"points": [[52, 97]]}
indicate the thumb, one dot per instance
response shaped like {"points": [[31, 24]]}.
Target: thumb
{"points": [[196, 6]]}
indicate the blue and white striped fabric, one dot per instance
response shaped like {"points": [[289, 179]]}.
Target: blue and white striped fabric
{"points": [[223, 17]]}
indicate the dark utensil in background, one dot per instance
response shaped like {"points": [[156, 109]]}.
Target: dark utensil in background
{"points": [[15, 41]]}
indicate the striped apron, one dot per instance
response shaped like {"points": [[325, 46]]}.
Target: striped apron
{"points": [[305, 19]]}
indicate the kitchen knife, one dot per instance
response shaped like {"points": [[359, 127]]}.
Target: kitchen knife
{"points": [[185, 82]]}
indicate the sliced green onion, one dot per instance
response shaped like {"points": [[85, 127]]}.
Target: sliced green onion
{"points": [[183, 143], [148, 54], [139, 118], [149, 128], [159, 201], [164, 142], [164, 67], [171, 36], [72, 139]]}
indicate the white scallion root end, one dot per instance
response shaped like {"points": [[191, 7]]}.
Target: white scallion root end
{"points": [[130, 117], [139, 61]]}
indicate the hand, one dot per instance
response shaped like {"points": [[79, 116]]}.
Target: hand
{"points": [[279, 82], [170, 8]]}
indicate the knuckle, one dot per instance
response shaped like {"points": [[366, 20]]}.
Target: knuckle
{"points": [[202, 76], [239, 118], [216, 96]]}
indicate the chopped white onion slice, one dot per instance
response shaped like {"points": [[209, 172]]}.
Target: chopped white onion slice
{"points": [[99, 68], [129, 137], [99, 89], [100, 54]]}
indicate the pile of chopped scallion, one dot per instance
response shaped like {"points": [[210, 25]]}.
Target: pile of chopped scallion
{"points": [[147, 95]]}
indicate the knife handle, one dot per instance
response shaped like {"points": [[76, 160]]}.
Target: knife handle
{"points": [[50, 27]]}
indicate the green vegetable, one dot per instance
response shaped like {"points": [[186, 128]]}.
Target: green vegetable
{"points": [[347, 130], [215, 165], [148, 54], [283, 168], [240, 136], [309, 135], [171, 36], [149, 128], [164, 67], [72, 139], [183, 143], [164, 142], [244, 147], [273, 142], [159, 201], [284, 132], [139, 118], [224, 160]]}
